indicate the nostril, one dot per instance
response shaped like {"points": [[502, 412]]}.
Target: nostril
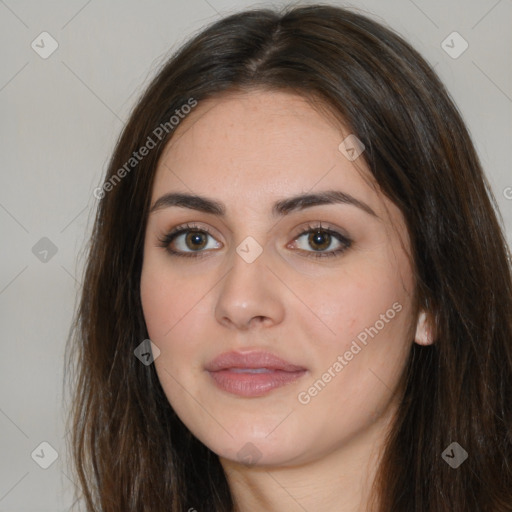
{"points": [[259, 319]]}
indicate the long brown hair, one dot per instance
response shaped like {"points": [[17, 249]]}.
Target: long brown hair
{"points": [[130, 450]]}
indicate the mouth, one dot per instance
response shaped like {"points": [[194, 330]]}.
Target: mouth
{"points": [[252, 374]]}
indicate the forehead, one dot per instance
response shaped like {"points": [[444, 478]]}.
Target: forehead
{"points": [[264, 145]]}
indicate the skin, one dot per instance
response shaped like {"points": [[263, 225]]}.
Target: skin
{"points": [[247, 151]]}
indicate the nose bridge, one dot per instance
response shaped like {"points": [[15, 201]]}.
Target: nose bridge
{"points": [[247, 290]]}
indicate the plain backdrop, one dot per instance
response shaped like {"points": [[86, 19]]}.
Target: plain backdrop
{"points": [[60, 117]]}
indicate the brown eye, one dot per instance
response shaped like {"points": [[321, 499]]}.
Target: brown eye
{"points": [[320, 240], [188, 241], [196, 240]]}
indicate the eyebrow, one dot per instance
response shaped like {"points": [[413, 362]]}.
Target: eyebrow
{"points": [[279, 209]]}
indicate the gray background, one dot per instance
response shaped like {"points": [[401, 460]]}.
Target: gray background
{"points": [[60, 118]]}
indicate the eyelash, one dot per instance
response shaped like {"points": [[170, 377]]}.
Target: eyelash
{"points": [[168, 238]]}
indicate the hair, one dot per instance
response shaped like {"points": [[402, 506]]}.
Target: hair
{"points": [[130, 450]]}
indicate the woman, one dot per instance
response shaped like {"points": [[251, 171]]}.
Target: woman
{"points": [[298, 295]]}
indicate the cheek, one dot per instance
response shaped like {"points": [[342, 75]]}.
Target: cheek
{"points": [[361, 361], [176, 311], [353, 300], [170, 306], [167, 299], [367, 319]]}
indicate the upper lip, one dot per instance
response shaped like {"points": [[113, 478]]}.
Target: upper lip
{"points": [[251, 360]]}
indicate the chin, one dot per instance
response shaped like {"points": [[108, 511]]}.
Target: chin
{"points": [[255, 449]]}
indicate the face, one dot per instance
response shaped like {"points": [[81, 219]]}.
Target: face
{"points": [[312, 299]]}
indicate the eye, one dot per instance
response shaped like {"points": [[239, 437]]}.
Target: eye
{"points": [[320, 239], [188, 241]]}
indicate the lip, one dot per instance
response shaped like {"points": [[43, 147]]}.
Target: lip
{"points": [[252, 374]]}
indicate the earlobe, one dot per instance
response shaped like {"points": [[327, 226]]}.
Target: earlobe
{"points": [[423, 330]]}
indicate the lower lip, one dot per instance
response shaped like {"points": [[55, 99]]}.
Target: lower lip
{"points": [[253, 384]]}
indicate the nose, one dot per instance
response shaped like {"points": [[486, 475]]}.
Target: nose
{"points": [[250, 296]]}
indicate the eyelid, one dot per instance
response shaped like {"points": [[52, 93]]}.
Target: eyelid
{"points": [[320, 226]]}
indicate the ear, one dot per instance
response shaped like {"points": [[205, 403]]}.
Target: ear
{"points": [[423, 330]]}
